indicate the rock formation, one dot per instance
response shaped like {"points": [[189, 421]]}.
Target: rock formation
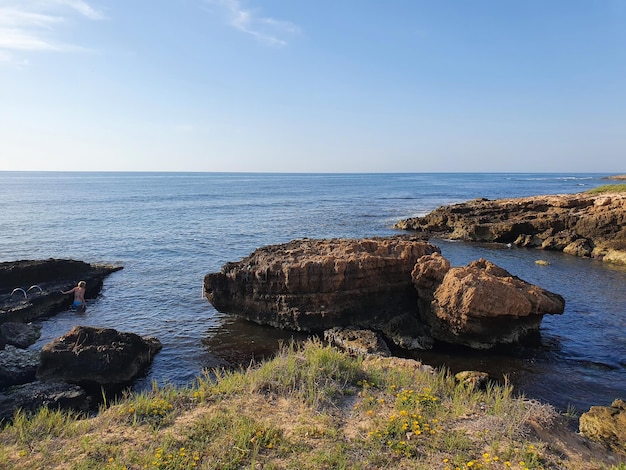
{"points": [[32, 289], [606, 424], [479, 305], [397, 286], [30, 397], [357, 342], [88, 355], [312, 285], [581, 224]]}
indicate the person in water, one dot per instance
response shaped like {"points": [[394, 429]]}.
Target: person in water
{"points": [[79, 296]]}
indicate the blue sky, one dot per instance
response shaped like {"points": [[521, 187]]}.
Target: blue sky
{"points": [[313, 86]]}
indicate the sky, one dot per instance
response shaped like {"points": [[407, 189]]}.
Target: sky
{"points": [[313, 86]]}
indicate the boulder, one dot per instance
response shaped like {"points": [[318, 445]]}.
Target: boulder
{"points": [[479, 305], [17, 366], [32, 396], [357, 342], [313, 285], [88, 355], [606, 424], [552, 222]]}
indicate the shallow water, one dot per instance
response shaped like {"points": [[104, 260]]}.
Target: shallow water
{"points": [[170, 229]]}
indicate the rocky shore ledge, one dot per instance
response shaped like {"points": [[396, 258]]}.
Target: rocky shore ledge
{"points": [[583, 224]]}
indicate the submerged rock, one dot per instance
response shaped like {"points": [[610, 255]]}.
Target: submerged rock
{"points": [[104, 356], [479, 305]]}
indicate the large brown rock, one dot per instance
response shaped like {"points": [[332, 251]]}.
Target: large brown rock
{"points": [[87, 355], [314, 285], [479, 305], [606, 424], [581, 224]]}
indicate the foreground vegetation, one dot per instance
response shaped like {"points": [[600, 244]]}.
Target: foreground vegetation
{"points": [[608, 188], [311, 407]]}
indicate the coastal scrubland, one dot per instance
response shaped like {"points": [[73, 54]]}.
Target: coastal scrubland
{"points": [[309, 407], [608, 188]]}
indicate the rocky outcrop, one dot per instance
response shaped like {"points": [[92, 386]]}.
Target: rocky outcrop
{"points": [[581, 224], [20, 335], [17, 366], [32, 396], [399, 287], [104, 356], [357, 342], [32, 289], [479, 305], [616, 177], [606, 424], [314, 285]]}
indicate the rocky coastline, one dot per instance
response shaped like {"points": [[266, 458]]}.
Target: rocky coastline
{"points": [[62, 373], [582, 224]]}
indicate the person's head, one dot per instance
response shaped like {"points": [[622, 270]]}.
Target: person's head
{"points": [[82, 284]]}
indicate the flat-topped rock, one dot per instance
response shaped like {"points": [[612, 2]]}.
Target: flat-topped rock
{"points": [[313, 285], [581, 224]]}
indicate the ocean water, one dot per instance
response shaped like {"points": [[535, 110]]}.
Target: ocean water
{"points": [[170, 229]]}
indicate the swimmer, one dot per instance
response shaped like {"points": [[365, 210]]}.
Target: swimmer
{"points": [[79, 296]]}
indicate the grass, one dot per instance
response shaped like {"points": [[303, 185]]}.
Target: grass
{"points": [[608, 188], [311, 407]]}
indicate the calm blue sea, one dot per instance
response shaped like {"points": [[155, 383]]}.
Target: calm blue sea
{"points": [[169, 229]]}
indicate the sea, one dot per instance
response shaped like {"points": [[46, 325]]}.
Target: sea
{"points": [[168, 230]]}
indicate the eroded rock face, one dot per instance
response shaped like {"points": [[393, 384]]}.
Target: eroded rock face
{"points": [[96, 355], [314, 285], [580, 224], [479, 305], [606, 424]]}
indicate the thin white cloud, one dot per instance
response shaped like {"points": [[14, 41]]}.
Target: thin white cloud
{"points": [[32, 25], [263, 29]]}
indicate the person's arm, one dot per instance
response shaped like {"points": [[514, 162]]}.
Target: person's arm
{"points": [[69, 291]]}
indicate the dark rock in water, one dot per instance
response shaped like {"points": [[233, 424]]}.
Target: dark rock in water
{"points": [[20, 335], [357, 342], [104, 356], [32, 396], [479, 305], [581, 224], [32, 289], [313, 285], [17, 366]]}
